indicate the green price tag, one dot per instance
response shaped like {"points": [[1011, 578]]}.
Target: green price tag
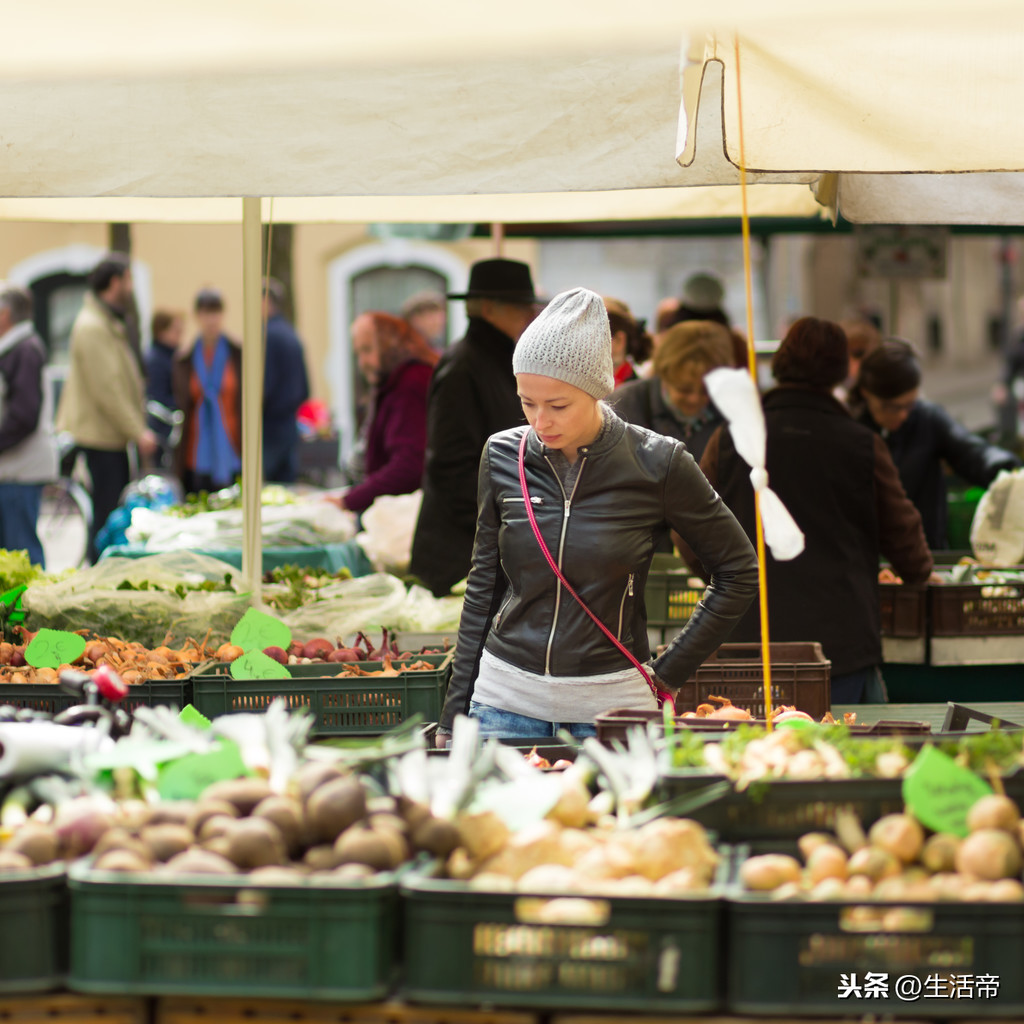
{"points": [[939, 792], [190, 715], [52, 648], [256, 630], [187, 777], [796, 723], [256, 665]]}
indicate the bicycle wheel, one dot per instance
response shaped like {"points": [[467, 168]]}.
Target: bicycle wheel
{"points": [[63, 526]]}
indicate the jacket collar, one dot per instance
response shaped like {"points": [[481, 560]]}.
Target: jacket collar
{"points": [[796, 395], [612, 432]]}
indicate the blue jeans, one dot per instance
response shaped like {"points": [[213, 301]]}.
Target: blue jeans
{"points": [[494, 722], [19, 511]]}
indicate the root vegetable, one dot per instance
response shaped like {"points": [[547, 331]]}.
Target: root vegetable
{"points": [[317, 649], [873, 862], [826, 861], [939, 853], [727, 710], [11, 860], [898, 834], [1007, 890], [810, 841], [769, 871], [279, 654], [334, 806], [989, 854], [994, 811], [229, 652]]}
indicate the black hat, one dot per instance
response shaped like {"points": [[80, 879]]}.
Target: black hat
{"points": [[502, 280]]}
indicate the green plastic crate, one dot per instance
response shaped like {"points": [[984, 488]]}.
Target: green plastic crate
{"points": [[224, 936], [960, 509], [33, 940], [340, 705], [463, 946], [670, 597], [789, 957], [49, 697]]}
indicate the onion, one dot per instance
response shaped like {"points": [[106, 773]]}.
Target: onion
{"points": [[80, 823], [769, 871], [229, 652], [989, 854], [993, 811], [900, 835], [792, 716]]}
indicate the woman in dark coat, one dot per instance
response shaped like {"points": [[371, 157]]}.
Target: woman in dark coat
{"points": [[398, 363], [840, 485], [921, 435], [674, 401]]}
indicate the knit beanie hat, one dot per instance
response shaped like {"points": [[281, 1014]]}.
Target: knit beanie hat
{"points": [[570, 341]]}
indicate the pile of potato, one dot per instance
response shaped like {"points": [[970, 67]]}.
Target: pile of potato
{"points": [[577, 849], [325, 826], [897, 863]]}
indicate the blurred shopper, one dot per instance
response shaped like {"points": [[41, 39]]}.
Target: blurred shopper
{"points": [[631, 344], [285, 388], [167, 328], [208, 390], [862, 337], [674, 401], [472, 395], [921, 436], [702, 299], [426, 312], [839, 482], [397, 363], [101, 404], [28, 449]]}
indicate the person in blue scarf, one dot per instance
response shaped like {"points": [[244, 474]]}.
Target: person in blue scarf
{"points": [[208, 389]]}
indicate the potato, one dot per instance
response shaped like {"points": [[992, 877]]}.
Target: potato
{"points": [[989, 854], [898, 834], [769, 871], [826, 861], [994, 811]]}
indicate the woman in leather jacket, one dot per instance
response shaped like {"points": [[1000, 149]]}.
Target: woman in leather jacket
{"points": [[921, 435], [604, 494]]}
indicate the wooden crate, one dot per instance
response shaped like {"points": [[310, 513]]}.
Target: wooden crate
{"points": [[269, 1011], [69, 1009]]}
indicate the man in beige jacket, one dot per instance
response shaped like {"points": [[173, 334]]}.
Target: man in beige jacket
{"points": [[101, 405]]}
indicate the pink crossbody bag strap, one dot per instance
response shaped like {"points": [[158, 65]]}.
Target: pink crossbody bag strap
{"points": [[660, 695]]}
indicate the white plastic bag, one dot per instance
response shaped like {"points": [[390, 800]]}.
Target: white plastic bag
{"points": [[997, 530], [367, 603], [388, 527]]}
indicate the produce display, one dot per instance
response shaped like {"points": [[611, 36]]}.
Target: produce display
{"points": [[751, 754], [897, 862], [319, 650], [142, 600], [133, 661]]}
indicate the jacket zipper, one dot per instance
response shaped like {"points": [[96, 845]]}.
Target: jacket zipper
{"points": [[628, 592], [533, 500], [561, 549]]}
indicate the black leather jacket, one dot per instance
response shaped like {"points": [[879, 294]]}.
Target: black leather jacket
{"points": [[633, 486]]}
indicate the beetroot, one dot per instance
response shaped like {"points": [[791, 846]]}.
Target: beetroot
{"points": [[279, 654], [318, 649]]}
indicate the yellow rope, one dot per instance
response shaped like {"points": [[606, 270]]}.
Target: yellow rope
{"points": [[752, 364]]}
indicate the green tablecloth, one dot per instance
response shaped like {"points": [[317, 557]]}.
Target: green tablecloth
{"points": [[348, 555]]}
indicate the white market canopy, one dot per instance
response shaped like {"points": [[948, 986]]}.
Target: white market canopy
{"points": [[321, 98]]}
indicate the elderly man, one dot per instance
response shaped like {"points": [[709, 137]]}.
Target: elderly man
{"points": [[28, 452], [472, 395], [101, 406]]}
